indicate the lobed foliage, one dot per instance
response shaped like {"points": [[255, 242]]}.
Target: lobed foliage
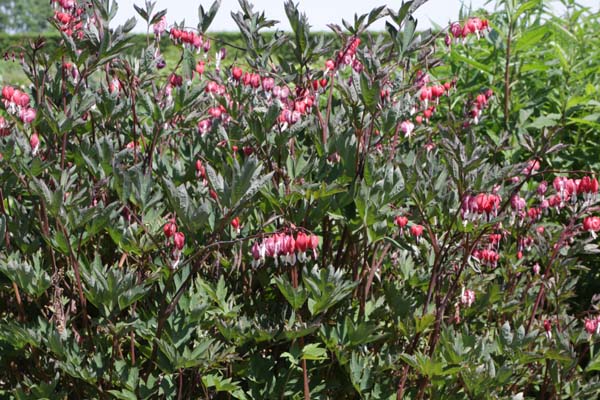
{"points": [[406, 215]]}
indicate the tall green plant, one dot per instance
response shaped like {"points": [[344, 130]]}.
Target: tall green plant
{"points": [[354, 218]]}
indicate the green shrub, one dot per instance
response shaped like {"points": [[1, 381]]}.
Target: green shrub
{"points": [[351, 216]]}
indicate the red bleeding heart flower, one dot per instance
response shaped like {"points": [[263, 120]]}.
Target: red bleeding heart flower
{"points": [[591, 325], [34, 142], [401, 221], [592, 224], [416, 230], [170, 228], [235, 223], [548, 328], [236, 73], [179, 240], [302, 242]]}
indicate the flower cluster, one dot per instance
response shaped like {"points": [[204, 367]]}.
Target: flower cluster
{"points": [[218, 112], [253, 80], [415, 230], [17, 102], [473, 207], [487, 257], [284, 247], [473, 26], [568, 189], [429, 94], [178, 239], [347, 56], [69, 18], [479, 104], [201, 172], [294, 108], [189, 39]]}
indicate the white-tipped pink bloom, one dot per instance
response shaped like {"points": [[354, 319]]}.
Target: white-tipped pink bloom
{"points": [[407, 127], [204, 126], [592, 326], [467, 297], [592, 225], [34, 142], [160, 27], [27, 115]]}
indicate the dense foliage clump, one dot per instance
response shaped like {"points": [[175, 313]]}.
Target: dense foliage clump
{"points": [[399, 215]]}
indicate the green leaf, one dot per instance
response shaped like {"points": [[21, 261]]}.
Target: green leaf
{"points": [[327, 287], [206, 18], [545, 121], [30, 277], [295, 296], [123, 394], [594, 365], [312, 351], [424, 322], [408, 33], [369, 92], [476, 64], [530, 38]]}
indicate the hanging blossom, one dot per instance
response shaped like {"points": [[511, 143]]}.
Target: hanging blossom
{"points": [[416, 231], [293, 110], [236, 225], [4, 127], [592, 225], [69, 17], [474, 207], [189, 39], [34, 142], [401, 221], [467, 297], [407, 128], [201, 172], [548, 328], [472, 26], [569, 189], [480, 103], [285, 248], [175, 239], [348, 56], [160, 27], [427, 94], [565, 188], [588, 188], [487, 257], [17, 102], [592, 325], [532, 166], [64, 4]]}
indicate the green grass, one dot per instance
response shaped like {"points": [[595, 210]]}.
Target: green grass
{"points": [[11, 73]]}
